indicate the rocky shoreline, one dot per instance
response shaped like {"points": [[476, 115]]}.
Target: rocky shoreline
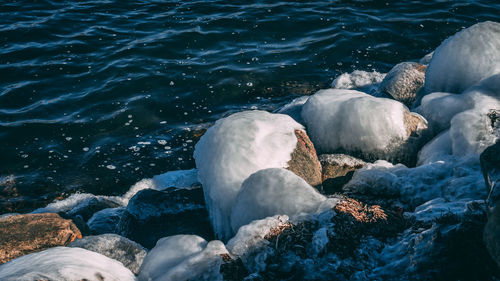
{"points": [[382, 177]]}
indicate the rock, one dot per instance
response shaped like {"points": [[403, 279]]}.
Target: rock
{"points": [[490, 165], [491, 235], [116, 247], [105, 221], [337, 170], [464, 59], [24, 234], [426, 59], [415, 124], [93, 205], [304, 162], [152, 214], [403, 82]]}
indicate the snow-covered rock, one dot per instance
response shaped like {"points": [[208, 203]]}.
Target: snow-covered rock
{"points": [[426, 59], [364, 81], [182, 258], [357, 122], [294, 108], [403, 82], [233, 149], [273, 191], [116, 247], [63, 263], [464, 59]]}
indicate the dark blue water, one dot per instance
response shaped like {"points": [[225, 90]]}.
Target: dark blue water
{"points": [[96, 95]]}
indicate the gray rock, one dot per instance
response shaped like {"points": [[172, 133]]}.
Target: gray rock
{"points": [[490, 165], [115, 247], [105, 221], [153, 214], [91, 206], [403, 82]]}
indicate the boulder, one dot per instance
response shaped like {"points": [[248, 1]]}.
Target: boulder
{"points": [[337, 170], [304, 162], [403, 82], [490, 165], [106, 221], [93, 205], [116, 247], [464, 59], [152, 214], [491, 235], [24, 234]]}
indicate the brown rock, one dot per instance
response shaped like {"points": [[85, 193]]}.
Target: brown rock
{"points": [[24, 234], [337, 170], [403, 82], [415, 124], [304, 162]]}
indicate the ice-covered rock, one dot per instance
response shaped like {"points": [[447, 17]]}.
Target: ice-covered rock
{"points": [[153, 214], [233, 149], [490, 165], [183, 257], [359, 123], [439, 108], [359, 80], [63, 263], [403, 82], [337, 170], [294, 108], [454, 178], [249, 243], [464, 59], [24, 234], [426, 59], [116, 247], [440, 207], [270, 192], [437, 149]]}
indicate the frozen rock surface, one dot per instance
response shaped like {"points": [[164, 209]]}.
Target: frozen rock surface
{"points": [[490, 165], [63, 263], [233, 149], [272, 192], [337, 170], [183, 257], [116, 247], [359, 123], [403, 82], [364, 81], [464, 59], [294, 108], [24, 234], [105, 221], [153, 214]]}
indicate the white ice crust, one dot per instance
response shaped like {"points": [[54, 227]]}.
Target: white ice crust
{"points": [[63, 263], [183, 257], [233, 149], [354, 121], [464, 59], [273, 191], [359, 80]]}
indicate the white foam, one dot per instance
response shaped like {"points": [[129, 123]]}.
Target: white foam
{"points": [[359, 80]]}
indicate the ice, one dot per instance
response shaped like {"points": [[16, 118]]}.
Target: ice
{"points": [[183, 257], [439, 207], [360, 80], [273, 191], [354, 121], [464, 59], [73, 202], [249, 243], [294, 108], [233, 149], [62, 263], [453, 179], [439, 108], [436, 150]]}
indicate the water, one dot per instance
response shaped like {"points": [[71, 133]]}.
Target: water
{"points": [[96, 95]]}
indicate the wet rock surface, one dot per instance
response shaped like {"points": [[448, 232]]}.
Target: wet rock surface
{"points": [[24, 234], [153, 214], [337, 170]]}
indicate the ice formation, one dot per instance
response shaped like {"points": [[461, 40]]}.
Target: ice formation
{"points": [[273, 191], [183, 257], [233, 149], [360, 80], [62, 263], [294, 108], [464, 59], [355, 121]]}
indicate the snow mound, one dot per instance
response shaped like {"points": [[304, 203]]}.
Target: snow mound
{"points": [[439, 108], [183, 257], [355, 121], [233, 149], [360, 80], [62, 263], [464, 59], [270, 192]]}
